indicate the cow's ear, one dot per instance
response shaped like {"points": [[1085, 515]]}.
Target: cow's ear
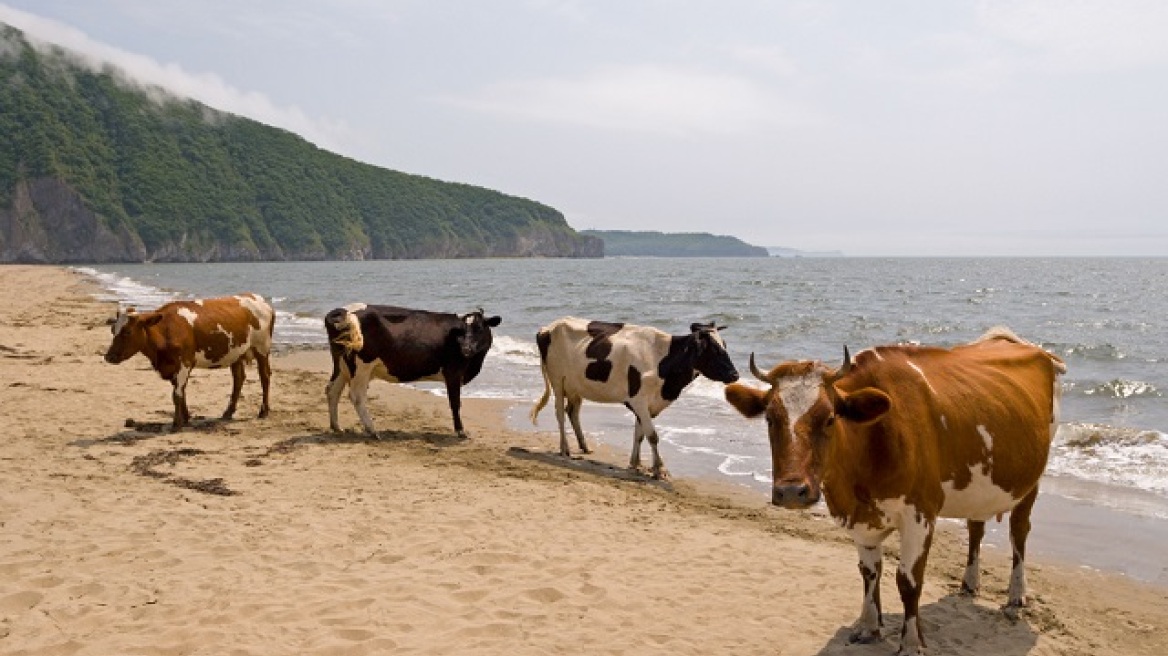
{"points": [[863, 406], [494, 321], [149, 320], [750, 401]]}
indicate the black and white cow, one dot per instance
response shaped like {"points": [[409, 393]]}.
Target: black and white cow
{"points": [[401, 345], [644, 368]]}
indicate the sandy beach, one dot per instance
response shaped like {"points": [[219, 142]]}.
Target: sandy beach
{"points": [[276, 536]]}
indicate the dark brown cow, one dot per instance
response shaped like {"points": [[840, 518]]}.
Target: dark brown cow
{"points": [[203, 333], [402, 345], [904, 435]]}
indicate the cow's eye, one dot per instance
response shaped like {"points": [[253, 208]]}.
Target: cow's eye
{"points": [[830, 420]]}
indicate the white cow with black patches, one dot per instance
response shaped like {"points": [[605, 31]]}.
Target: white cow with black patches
{"points": [[644, 368]]}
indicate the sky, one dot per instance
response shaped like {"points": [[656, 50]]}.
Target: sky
{"points": [[892, 128]]}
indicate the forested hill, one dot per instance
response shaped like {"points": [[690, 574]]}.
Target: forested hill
{"points": [[673, 244], [95, 169]]}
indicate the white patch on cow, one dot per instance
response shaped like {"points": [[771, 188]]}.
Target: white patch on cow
{"points": [[355, 307], [180, 381], [944, 422], [799, 396], [923, 377], [869, 621], [189, 315], [199, 302], [234, 351], [891, 512], [915, 528], [121, 321], [980, 500], [468, 319], [718, 339], [989, 449], [1016, 593], [987, 439]]}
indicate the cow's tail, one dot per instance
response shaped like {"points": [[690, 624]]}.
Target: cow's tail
{"points": [[344, 331], [542, 339]]}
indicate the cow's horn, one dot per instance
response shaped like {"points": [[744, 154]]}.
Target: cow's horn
{"points": [[758, 374], [830, 381]]}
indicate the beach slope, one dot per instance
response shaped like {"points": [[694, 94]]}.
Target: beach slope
{"points": [[275, 536]]}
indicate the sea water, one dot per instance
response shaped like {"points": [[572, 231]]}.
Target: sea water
{"points": [[1106, 317]]}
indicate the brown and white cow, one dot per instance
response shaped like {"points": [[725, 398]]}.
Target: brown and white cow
{"points": [[644, 368], [199, 334], [904, 435]]}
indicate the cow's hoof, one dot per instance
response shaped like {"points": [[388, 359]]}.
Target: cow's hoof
{"points": [[661, 474], [910, 651], [264, 413], [226, 416], [462, 435], [864, 637], [1013, 608], [967, 591]]}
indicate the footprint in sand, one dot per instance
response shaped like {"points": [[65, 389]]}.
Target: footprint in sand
{"points": [[19, 602]]}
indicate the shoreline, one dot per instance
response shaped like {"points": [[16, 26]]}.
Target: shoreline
{"points": [[277, 536]]}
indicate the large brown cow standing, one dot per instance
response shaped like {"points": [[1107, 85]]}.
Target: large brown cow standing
{"points": [[904, 435], [203, 333]]}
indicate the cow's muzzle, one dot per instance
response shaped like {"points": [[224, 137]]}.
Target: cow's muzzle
{"points": [[794, 496]]}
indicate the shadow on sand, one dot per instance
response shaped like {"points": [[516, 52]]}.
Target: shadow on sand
{"points": [[952, 624], [588, 466], [359, 437]]}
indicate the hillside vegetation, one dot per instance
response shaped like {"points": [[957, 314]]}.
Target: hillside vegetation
{"points": [[673, 244], [96, 169]]}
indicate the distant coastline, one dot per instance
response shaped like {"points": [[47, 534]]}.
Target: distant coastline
{"points": [[651, 243], [780, 251]]}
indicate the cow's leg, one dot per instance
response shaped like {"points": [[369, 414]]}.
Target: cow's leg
{"points": [[646, 429], [358, 394], [454, 396], [1019, 530], [867, 628], [560, 402], [971, 582], [238, 375], [638, 435], [333, 390], [916, 536], [182, 415], [574, 406], [264, 365]]}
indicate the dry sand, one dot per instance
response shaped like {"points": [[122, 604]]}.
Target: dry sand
{"points": [[276, 537]]}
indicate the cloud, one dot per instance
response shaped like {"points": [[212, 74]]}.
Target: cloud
{"points": [[645, 98], [772, 58], [1083, 34], [207, 88]]}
